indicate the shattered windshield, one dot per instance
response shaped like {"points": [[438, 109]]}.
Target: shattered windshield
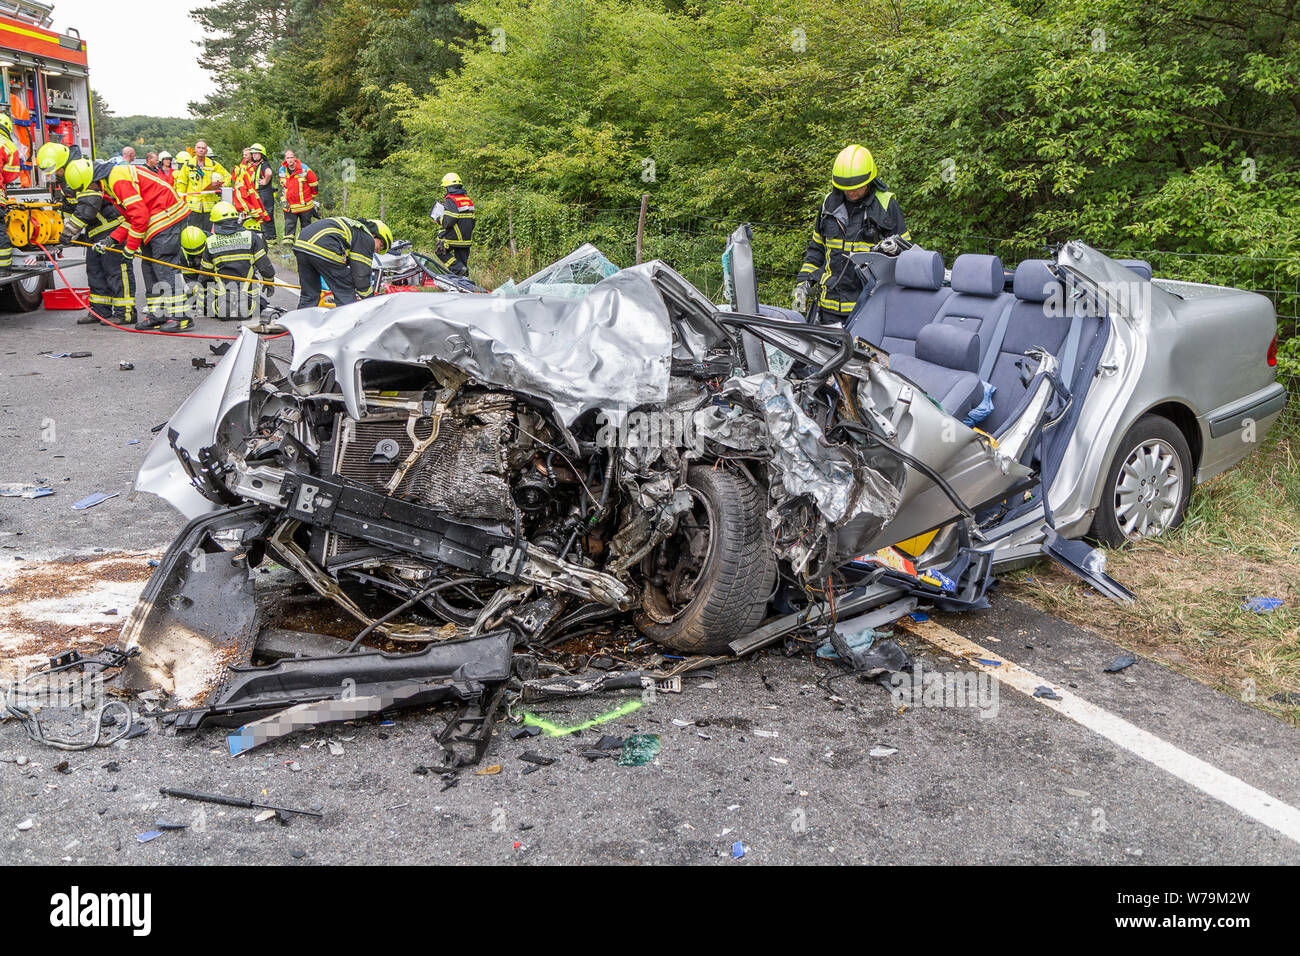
{"points": [[571, 277]]}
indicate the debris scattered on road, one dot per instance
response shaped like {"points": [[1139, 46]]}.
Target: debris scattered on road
{"points": [[148, 835], [883, 751], [13, 489], [639, 750], [738, 850], [125, 366], [97, 498], [1262, 605], [240, 802], [25, 825], [1119, 663], [201, 362], [488, 771], [1045, 692]]}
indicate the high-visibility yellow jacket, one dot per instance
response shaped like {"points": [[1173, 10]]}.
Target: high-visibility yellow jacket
{"points": [[193, 179]]}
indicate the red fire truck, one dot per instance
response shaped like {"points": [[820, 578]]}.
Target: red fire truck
{"points": [[45, 89]]}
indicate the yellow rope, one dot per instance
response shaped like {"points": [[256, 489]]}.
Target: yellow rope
{"points": [[215, 275]]}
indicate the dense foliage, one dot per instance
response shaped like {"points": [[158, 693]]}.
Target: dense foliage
{"points": [[1134, 124]]}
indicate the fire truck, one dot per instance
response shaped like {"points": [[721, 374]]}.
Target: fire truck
{"points": [[45, 89]]}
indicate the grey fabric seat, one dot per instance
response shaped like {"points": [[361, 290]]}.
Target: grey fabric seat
{"points": [[894, 314], [979, 299], [944, 367], [1042, 317]]}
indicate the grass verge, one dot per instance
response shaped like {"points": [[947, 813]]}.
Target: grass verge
{"points": [[1241, 539]]}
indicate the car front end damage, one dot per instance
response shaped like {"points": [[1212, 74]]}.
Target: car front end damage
{"points": [[527, 467]]}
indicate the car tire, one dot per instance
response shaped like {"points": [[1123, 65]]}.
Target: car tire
{"points": [[24, 295], [1147, 486], [734, 579]]}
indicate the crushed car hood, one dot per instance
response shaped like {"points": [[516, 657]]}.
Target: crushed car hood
{"points": [[610, 350]]}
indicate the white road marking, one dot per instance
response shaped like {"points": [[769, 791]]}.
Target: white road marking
{"points": [[1223, 786]]}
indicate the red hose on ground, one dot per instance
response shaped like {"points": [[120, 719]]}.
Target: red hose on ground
{"points": [[126, 328]]}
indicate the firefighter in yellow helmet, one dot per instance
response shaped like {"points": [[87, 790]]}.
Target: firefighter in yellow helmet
{"points": [[238, 254], [455, 214], [859, 212]]}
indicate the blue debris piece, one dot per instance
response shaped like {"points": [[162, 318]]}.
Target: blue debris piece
{"points": [[860, 641], [90, 501], [986, 662], [1262, 605], [148, 835], [1119, 663], [918, 617], [738, 850], [1045, 692]]}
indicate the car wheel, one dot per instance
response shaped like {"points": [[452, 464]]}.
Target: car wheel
{"points": [[709, 583], [24, 295], [1148, 485]]}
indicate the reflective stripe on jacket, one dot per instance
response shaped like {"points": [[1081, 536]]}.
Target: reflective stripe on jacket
{"points": [[147, 201], [343, 242], [457, 220], [843, 228], [297, 188], [193, 179]]}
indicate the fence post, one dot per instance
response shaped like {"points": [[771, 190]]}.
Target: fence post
{"points": [[510, 220], [640, 226]]}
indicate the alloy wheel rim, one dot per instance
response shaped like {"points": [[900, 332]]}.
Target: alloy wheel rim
{"points": [[1148, 489]]}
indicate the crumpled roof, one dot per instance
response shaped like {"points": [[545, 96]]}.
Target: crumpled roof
{"points": [[610, 350]]}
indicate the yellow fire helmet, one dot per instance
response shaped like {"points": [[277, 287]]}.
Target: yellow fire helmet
{"points": [[193, 239], [384, 233], [223, 211], [853, 169], [78, 174], [451, 179], [51, 157]]}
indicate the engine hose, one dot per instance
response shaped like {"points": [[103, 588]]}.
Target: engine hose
{"points": [[126, 328]]}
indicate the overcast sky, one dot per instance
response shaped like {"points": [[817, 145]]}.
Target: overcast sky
{"points": [[143, 57]]}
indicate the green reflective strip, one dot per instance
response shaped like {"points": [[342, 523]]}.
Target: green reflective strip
{"points": [[556, 730], [836, 305]]}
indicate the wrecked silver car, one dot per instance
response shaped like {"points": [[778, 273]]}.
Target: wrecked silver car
{"points": [[601, 443]]}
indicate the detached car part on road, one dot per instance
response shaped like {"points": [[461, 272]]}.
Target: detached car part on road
{"points": [[537, 463]]}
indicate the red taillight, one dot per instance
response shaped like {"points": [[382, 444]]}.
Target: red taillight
{"points": [[1272, 353]]}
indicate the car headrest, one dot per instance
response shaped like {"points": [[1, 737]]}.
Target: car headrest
{"points": [[918, 268], [949, 346], [978, 275], [1035, 281], [1140, 266]]}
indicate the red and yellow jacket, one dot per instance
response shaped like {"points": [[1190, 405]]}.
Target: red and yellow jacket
{"points": [[148, 202], [245, 192], [297, 187], [10, 171]]}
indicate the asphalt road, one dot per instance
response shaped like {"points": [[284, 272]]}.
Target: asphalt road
{"points": [[763, 754]]}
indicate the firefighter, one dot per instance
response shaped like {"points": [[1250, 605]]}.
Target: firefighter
{"points": [[52, 157], [154, 217], [341, 251], [457, 222], [264, 185], [859, 212], [298, 194], [200, 292], [108, 275], [246, 197], [9, 175], [199, 183], [237, 252]]}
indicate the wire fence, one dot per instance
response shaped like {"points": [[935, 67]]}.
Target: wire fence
{"points": [[693, 245]]}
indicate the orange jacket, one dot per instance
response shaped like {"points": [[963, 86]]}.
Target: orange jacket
{"points": [[245, 191], [148, 202], [298, 187]]}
